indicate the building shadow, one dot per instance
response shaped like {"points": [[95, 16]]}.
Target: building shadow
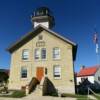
{"points": [[49, 88]]}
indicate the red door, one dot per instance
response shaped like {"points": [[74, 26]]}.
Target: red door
{"points": [[40, 73]]}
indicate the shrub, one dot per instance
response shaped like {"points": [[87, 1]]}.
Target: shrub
{"points": [[3, 89]]}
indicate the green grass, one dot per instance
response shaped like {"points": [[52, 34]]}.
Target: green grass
{"points": [[18, 94], [73, 95], [97, 96], [78, 97], [15, 94], [84, 99]]}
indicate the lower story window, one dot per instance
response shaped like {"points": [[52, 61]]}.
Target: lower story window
{"points": [[23, 72], [57, 72]]}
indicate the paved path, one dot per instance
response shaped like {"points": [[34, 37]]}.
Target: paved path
{"points": [[38, 98], [47, 98]]}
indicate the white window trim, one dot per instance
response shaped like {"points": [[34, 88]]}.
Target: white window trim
{"points": [[23, 58], [54, 72], [45, 53], [54, 54], [38, 55], [21, 72]]}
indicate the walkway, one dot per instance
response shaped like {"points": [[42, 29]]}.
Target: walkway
{"points": [[38, 98]]}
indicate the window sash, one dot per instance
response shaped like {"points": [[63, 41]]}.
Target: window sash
{"points": [[56, 53], [43, 53], [24, 73], [37, 53], [25, 54], [57, 71]]}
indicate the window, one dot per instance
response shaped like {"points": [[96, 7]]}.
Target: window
{"points": [[40, 37], [43, 53], [98, 78], [57, 72], [45, 71], [23, 72], [25, 54], [37, 54], [56, 53]]}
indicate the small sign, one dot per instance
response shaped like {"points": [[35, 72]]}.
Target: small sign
{"points": [[40, 44]]}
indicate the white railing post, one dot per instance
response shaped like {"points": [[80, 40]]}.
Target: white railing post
{"points": [[27, 89], [89, 89], [88, 93]]}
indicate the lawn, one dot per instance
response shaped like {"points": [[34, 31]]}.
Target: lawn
{"points": [[14, 94], [19, 94], [97, 96], [79, 97]]}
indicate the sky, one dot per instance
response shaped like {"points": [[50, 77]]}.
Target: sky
{"points": [[74, 19]]}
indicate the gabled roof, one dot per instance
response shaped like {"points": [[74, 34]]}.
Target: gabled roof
{"points": [[87, 71], [34, 33]]}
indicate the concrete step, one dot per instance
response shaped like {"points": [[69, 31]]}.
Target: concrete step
{"points": [[37, 91]]}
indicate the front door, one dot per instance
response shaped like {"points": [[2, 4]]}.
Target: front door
{"points": [[40, 73]]}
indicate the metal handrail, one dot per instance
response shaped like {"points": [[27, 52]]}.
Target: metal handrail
{"points": [[89, 89]]}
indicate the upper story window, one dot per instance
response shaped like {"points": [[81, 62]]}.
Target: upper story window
{"points": [[23, 72], [43, 53], [56, 53], [37, 54], [40, 37], [57, 72], [25, 54]]}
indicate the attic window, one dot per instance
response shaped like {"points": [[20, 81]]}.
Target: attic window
{"points": [[40, 37]]}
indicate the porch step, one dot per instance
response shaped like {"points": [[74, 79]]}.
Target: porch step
{"points": [[37, 91]]}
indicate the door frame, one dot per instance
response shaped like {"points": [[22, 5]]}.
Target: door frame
{"points": [[43, 69]]}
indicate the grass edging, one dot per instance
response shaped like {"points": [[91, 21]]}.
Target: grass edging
{"points": [[97, 96], [15, 94], [74, 96]]}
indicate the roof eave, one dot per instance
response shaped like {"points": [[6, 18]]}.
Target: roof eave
{"points": [[85, 75], [40, 27]]}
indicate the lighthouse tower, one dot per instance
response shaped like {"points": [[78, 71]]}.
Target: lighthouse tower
{"points": [[42, 16]]}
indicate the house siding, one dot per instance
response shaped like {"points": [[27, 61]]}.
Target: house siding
{"points": [[97, 74], [65, 84], [90, 78]]}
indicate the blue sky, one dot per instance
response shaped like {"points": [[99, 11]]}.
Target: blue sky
{"points": [[74, 19]]}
